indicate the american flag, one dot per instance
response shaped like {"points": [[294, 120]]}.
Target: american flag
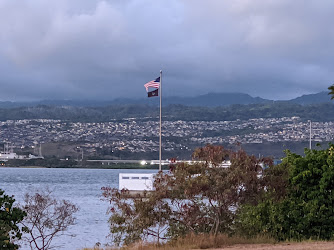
{"points": [[153, 84]]}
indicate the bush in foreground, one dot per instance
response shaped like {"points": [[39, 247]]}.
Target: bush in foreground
{"points": [[47, 218], [189, 199], [304, 207], [10, 217]]}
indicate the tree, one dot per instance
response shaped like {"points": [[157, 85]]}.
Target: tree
{"points": [[304, 207], [331, 88], [10, 216], [134, 219], [46, 218], [190, 198]]}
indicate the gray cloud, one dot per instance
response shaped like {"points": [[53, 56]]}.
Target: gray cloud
{"points": [[106, 49]]}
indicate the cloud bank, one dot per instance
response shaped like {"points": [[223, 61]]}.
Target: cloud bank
{"points": [[94, 49]]}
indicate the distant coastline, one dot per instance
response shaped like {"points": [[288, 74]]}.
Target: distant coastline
{"points": [[94, 167]]}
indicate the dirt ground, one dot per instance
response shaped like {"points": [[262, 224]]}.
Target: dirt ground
{"points": [[283, 246]]}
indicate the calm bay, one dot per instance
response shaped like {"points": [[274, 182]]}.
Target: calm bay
{"points": [[80, 186]]}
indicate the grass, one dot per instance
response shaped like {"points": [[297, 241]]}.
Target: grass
{"points": [[192, 241], [204, 241]]}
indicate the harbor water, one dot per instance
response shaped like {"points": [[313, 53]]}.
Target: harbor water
{"points": [[80, 186]]}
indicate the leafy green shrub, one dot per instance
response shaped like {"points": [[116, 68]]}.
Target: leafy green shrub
{"points": [[305, 208], [10, 216]]}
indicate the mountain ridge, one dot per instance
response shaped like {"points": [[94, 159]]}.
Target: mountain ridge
{"points": [[205, 100]]}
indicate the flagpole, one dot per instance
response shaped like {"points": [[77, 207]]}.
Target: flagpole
{"points": [[160, 122]]}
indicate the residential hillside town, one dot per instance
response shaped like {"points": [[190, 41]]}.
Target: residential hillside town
{"points": [[134, 135]]}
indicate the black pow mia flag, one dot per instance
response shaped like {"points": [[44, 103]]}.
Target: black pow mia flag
{"points": [[153, 93]]}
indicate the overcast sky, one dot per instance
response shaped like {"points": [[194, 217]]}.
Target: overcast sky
{"points": [[95, 49]]}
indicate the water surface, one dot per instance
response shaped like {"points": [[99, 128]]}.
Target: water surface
{"points": [[81, 186]]}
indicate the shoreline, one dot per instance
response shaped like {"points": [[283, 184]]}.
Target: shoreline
{"points": [[23, 167], [128, 168]]}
